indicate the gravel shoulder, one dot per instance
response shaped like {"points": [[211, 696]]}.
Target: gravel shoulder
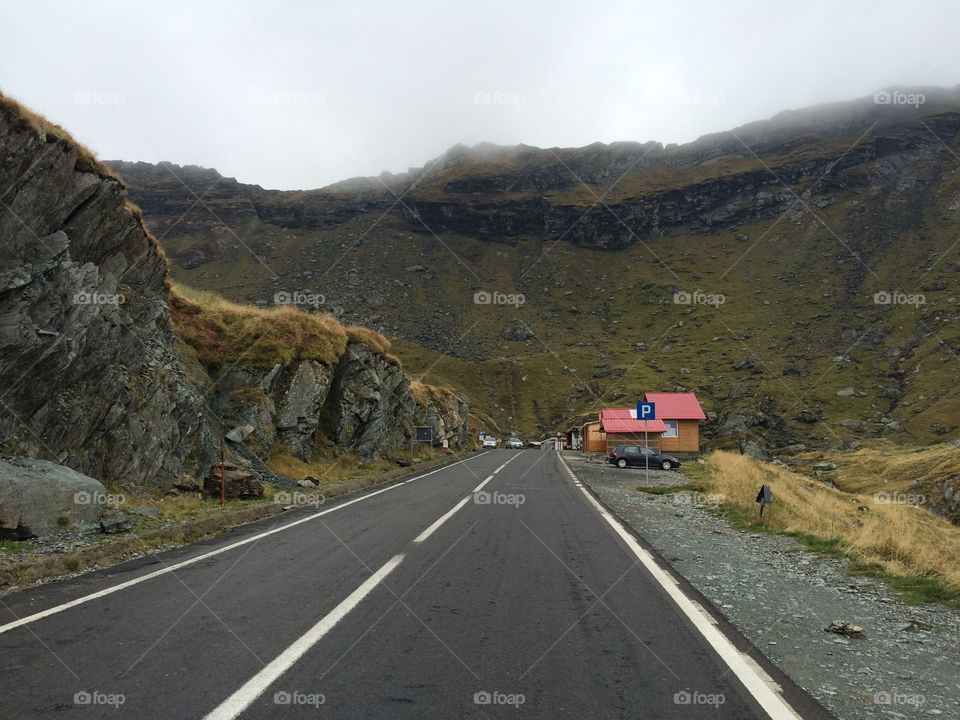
{"points": [[781, 597]]}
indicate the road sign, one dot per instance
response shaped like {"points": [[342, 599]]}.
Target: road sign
{"points": [[646, 411], [425, 433], [765, 497]]}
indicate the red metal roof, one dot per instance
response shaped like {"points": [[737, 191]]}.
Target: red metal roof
{"points": [[624, 420], [677, 406]]}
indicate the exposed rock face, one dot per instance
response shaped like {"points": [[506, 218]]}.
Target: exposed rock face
{"points": [[502, 193], [87, 371], [372, 404], [90, 373], [38, 498], [300, 408], [363, 403]]}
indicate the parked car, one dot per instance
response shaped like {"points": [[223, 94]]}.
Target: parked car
{"points": [[636, 455], [515, 443], [489, 442]]}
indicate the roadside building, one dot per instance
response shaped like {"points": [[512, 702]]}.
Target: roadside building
{"points": [[681, 414], [621, 427]]}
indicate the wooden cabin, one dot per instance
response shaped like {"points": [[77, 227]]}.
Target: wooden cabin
{"points": [[681, 415]]}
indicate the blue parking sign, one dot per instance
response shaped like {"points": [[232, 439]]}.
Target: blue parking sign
{"points": [[646, 411]]}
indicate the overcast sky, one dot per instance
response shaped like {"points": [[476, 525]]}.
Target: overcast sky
{"points": [[302, 94]]}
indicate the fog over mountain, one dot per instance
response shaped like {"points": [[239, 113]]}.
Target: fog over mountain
{"points": [[291, 95]]}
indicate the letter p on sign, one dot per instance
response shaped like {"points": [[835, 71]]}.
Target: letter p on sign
{"points": [[646, 411]]}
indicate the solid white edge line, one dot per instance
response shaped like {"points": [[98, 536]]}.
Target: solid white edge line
{"points": [[757, 682], [190, 561], [242, 698], [441, 520]]}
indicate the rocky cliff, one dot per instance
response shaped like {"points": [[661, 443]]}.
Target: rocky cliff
{"points": [[88, 374], [94, 374]]}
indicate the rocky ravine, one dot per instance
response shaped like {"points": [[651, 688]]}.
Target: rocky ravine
{"points": [[90, 374]]}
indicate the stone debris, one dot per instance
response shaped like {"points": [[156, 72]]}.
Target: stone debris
{"points": [[841, 627]]}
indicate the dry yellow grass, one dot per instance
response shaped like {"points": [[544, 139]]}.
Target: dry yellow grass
{"points": [[420, 392], [374, 340], [223, 331], [900, 539], [86, 161], [881, 466], [219, 331]]}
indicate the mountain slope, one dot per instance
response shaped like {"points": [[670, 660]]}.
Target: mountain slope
{"points": [[796, 224]]}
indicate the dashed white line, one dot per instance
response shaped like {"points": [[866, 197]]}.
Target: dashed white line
{"points": [[758, 683], [255, 686], [453, 511], [203, 556], [479, 487], [441, 520]]}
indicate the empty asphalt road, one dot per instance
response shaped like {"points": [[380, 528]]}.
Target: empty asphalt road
{"points": [[425, 599]]}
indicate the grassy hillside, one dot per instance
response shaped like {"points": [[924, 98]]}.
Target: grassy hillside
{"points": [[917, 550], [770, 316]]}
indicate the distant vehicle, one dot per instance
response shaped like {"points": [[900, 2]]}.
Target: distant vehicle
{"points": [[515, 443], [636, 455], [534, 443], [489, 442]]}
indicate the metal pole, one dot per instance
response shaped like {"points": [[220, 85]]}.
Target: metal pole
{"points": [[223, 483], [646, 445]]}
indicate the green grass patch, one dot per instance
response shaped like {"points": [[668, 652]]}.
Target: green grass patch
{"points": [[913, 589]]}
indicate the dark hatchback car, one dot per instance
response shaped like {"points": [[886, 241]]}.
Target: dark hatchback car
{"points": [[637, 455]]}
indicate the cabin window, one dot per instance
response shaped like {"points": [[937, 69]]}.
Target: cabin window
{"points": [[673, 428]]}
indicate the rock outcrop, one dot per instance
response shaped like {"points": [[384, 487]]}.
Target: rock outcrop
{"points": [[93, 375], [364, 403], [88, 374]]}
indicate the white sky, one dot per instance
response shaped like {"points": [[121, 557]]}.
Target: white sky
{"points": [[301, 94]]}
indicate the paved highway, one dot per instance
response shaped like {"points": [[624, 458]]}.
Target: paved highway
{"points": [[493, 587]]}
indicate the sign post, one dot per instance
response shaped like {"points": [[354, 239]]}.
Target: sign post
{"points": [[646, 411], [223, 482], [764, 497]]}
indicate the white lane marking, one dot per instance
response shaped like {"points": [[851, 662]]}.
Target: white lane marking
{"points": [[450, 513], [508, 462], [758, 683], [479, 487], [441, 520], [184, 563], [241, 699]]}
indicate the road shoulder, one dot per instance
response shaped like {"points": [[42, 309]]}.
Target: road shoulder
{"points": [[781, 598]]}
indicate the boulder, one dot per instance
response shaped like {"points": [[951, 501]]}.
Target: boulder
{"points": [[734, 425], [239, 482], [853, 425], [186, 483], [754, 450], [115, 523], [239, 433], [39, 498], [847, 629]]}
